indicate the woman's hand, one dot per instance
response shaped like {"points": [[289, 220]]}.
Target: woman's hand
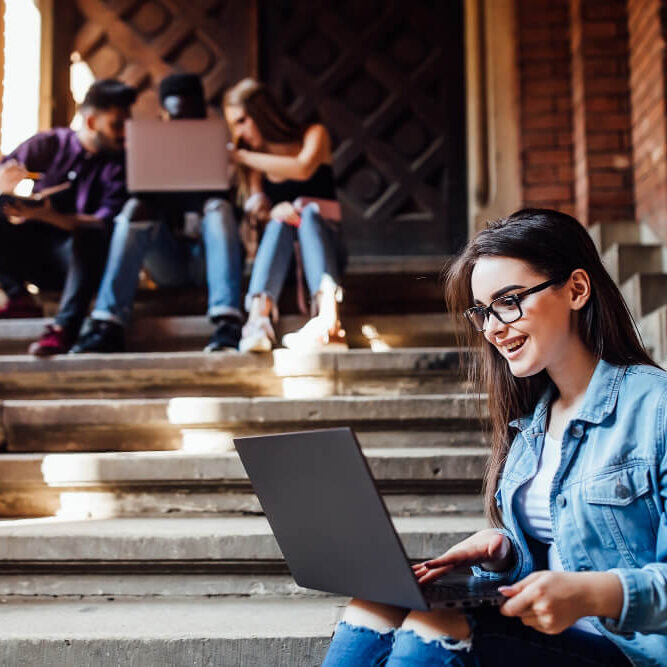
{"points": [[285, 212], [552, 601], [236, 155], [488, 548]]}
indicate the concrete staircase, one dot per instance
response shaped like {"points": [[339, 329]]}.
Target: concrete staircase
{"points": [[130, 533], [637, 261]]}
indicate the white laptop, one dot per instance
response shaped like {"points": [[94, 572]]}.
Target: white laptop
{"points": [[176, 155]]}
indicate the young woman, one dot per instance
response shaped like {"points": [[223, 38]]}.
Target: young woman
{"points": [[282, 166], [577, 478]]}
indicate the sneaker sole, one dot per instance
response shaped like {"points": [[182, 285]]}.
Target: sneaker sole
{"points": [[261, 345]]}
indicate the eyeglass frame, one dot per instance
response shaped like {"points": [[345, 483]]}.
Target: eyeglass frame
{"points": [[516, 298]]}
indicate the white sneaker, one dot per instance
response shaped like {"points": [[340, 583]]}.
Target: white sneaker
{"points": [[257, 336], [314, 335]]}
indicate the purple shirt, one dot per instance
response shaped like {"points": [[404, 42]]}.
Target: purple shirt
{"points": [[98, 179]]}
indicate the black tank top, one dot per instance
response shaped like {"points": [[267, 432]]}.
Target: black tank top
{"points": [[320, 185]]}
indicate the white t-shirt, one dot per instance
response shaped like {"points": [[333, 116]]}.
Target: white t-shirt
{"points": [[532, 510]]}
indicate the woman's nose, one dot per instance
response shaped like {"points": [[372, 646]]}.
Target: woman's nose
{"points": [[493, 325]]}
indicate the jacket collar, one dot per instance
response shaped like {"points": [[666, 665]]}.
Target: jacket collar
{"points": [[599, 401]]}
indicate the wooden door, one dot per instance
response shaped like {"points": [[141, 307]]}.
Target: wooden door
{"points": [[141, 41], [387, 78]]}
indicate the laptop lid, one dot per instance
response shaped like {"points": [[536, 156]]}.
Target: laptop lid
{"points": [[329, 520], [176, 155]]}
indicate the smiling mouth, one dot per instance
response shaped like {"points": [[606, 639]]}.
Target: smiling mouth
{"points": [[516, 345]]}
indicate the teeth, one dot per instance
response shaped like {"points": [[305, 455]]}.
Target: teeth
{"points": [[516, 346]]}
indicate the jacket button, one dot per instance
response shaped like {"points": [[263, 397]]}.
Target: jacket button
{"points": [[560, 500], [622, 491], [583, 568], [577, 430]]}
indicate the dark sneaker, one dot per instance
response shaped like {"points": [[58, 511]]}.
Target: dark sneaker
{"points": [[101, 337], [225, 337], [21, 306], [54, 340]]}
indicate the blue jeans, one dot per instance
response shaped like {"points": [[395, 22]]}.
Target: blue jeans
{"points": [[321, 249], [172, 261], [496, 641]]}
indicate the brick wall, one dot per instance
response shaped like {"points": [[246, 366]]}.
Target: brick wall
{"points": [[601, 111], [545, 104], [649, 133]]}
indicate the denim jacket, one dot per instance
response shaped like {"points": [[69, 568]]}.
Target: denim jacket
{"points": [[607, 500]]}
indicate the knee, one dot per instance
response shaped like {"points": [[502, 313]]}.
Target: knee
{"points": [[310, 217], [450, 623], [136, 210], [220, 206], [374, 615]]}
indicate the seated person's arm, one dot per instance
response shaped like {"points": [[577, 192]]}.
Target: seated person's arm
{"points": [[33, 155], [315, 150], [19, 212], [111, 201]]}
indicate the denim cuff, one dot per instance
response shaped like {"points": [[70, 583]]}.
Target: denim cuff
{"points": [[636, 586], [217, 311], [106, 316]]}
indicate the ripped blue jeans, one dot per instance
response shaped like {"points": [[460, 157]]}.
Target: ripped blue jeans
{"points": [[496, 641]]}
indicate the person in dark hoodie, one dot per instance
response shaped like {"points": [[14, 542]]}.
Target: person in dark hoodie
{"points": [[180, 238]]}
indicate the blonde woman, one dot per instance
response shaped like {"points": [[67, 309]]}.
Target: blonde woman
{"points": [[287, 179]]}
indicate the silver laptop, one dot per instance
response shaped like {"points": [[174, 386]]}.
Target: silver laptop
{"points": [[332, 525], [176, 155]]}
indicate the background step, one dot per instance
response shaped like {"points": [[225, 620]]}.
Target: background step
{"points": [[229, 545], [371, 284], [429, 481], [644, 293], [607, 234], [150, 334], [653, 330], [156, 632], [280, 373], [198, 424], [623, 260]]}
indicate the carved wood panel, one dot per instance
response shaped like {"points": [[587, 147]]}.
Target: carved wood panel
{"points": [[141, 41], [386, 78]]}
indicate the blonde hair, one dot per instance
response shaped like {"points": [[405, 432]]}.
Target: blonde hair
{"points": [[272, 119]]}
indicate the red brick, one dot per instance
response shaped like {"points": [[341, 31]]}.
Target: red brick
{"points": [[545, 192], [556, 156], [607, 179]]}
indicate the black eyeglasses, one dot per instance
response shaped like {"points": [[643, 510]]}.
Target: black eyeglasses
{"points": [[506, 308]]}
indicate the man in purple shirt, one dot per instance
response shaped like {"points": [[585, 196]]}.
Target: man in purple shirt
{"points": [[61, 240]]}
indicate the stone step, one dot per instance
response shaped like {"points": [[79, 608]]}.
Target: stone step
{"points": [[623, 260], [281, 373], [653, 330], [607, 234], [426, 481], [644, 293], [390, 284], [171, 333], [227, 545], [234, 632], [209, 423]]}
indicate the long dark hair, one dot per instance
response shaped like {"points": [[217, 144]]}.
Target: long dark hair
{"points": [[553, 244], [272, 119]]}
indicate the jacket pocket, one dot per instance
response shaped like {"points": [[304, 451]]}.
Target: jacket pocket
{"points": [[620, 503]]}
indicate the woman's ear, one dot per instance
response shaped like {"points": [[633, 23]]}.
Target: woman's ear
{"points": [[580, 289]]}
